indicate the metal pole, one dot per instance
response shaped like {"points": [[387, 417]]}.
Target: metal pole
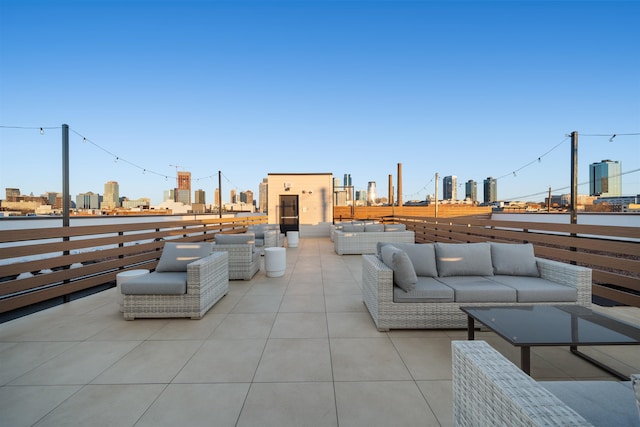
{"points": [[436, 214], [220, 194], [574, 177], [65, 175]]}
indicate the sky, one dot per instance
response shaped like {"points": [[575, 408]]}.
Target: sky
{"points": [[248, 88]]}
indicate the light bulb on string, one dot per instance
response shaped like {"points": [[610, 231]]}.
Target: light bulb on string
{"points": [[41, 131], [144, 171], [84, 140], [116, 160]]}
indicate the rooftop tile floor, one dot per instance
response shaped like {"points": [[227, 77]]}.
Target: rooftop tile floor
{"points": [[300, 350]]}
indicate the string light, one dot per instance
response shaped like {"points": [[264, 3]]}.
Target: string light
{"points": [[41, 131]]}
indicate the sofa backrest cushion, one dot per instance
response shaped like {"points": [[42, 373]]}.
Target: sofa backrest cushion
{"points": [[422, 256], [234, 239], [463, 259], [511, 259], [404, 276], [176, 256], [353, 228], [374, 227], [395, 227]]}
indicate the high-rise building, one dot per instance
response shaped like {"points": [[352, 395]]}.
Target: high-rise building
{"points": [[216, 196], [111, 195], [348, 186], [88, 201], [232, 196], [490, 190], [371, 193], [184, 183], [471, 190], [12, 192], [263, 195], [450, 188], [246, 197], [200, 196], [605, 179]]}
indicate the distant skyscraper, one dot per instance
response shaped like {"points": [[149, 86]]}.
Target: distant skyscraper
{"points": [[217, 197], [348, 186], [490, 190], [605, 179], [200, 196], [371, 193], [450, 188], [247, 197], [263, 189], [184, 183], [12, 192], [232, 196], [88, 201], [471, 190], [111, 195]]}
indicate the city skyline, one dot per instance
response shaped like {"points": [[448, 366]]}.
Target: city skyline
{"points": [[472, 89]]}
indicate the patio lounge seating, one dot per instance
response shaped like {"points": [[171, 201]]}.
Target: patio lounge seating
{"points": [[489, 390], [187, 282], [361, 238], [244, 257], [447, 276], [267, 235]]}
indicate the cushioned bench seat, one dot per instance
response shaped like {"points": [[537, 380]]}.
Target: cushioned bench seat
{"points": [[166, 283]]}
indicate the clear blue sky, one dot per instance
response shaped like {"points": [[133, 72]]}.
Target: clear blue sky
{"points": [[472, 89]]}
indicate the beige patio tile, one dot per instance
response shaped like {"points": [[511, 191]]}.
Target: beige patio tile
{"points": [[196, 405], [104, 405], [150, 362], [352, 325], [223, 360], [377, 403], [243, 326], [300, 325], [426, 358], [25, 405], [291, 360], [289, 405], [366, 359], [438, 395]]}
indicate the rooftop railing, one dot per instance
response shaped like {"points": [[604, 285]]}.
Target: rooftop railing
{"points": [[41, 264], [612, 252]]}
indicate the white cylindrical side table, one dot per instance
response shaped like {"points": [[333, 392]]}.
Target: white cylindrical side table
{"points": [[292, 238], [275, 261], [123, 277]]}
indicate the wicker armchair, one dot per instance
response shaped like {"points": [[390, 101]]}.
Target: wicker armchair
{"points": [[163, 293], [244, 258]]}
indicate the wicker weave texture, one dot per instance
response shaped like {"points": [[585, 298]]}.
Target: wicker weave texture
{"points": [[377, 291], [365, 242], [243, 265], [489, 390], [207, 282]]}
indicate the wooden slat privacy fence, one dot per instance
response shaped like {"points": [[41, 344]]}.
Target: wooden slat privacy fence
{"points": [[82, 257], [613, 253]]}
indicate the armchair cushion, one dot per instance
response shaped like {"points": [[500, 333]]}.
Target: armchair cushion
{"points": [[168, 283], [232, 239], [514, 260], [395, 227], [176, 256]]}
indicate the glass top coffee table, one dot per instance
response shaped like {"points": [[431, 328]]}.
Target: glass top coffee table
{"points": [[528, 326]]}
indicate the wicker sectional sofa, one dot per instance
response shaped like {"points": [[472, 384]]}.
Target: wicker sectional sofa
{"points": [[448, 276], [361, 238], [489, 390]]}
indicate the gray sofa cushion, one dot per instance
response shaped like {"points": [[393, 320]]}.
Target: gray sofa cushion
{"points": [[602, 403], [404, 275], [374, 227], [427, 289], [423, 257], [231, 239], [176, 256], [535, 289], [479, 289], [463, 259], [353, 228], [167, 283], [395, 227], [514, 259]]}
